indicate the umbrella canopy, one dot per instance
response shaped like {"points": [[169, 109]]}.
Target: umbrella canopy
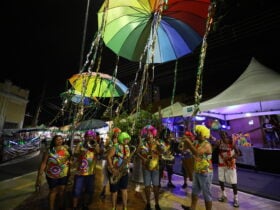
{"points": [[77, 97], [93, 84], [91, 124], [167, 29]]}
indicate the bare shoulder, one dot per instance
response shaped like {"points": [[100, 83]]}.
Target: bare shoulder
{"points": [[208, 147]]}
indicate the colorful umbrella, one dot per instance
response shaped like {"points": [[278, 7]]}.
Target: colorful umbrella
{"points": [[77, 97], [93, 84], [163, 30]]}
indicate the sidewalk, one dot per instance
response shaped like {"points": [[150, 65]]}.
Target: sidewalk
{"points": [[14, 192], [18, 194]]}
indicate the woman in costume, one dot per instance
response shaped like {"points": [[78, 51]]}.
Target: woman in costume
{"points": [[56, 166]]}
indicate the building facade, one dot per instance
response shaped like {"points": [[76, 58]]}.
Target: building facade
{"points": [[13, 103]]}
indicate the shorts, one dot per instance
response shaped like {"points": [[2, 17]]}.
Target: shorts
{"points": [[83, 184], [151, 177], [202, 183], [120, 185], [56, 182], [227, 175]]}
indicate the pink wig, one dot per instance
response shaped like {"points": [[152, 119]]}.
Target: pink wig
{"points": [[148, 129], [90, 133]]}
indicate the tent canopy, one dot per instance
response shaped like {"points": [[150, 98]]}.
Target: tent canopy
{"points": [[256, 92], [173, 110]]}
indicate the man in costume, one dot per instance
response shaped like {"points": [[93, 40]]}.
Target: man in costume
{"points": [[228, 152], [86, 155], [118, 160], [203, 169]]}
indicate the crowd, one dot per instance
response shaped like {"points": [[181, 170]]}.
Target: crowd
{"points": [[152, 154]]}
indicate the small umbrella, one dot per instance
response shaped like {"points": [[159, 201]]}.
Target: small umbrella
{"points": [[93, 84], [77, 97], [91, 124], [166, 29]]}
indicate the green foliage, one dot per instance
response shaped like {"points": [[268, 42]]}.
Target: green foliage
{"points": [[133, 123]]}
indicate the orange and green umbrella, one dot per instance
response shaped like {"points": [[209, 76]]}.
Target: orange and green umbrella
{"points": [[156, 31]]}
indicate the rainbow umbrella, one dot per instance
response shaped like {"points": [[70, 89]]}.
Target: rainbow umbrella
{"points": [[95, 84], [154, 31]]}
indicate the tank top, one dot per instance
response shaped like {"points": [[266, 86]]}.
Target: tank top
{"points": [[203, 162], [58, 162], [87, 161], [122, 152], [226, 152], [151, 153]]}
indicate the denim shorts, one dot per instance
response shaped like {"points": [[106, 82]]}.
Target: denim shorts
{"points": [[120, 185], [56, 182], [151, 177], [83, 184], [202, 183]]}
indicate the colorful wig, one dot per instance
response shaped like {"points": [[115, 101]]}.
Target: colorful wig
{"points": [[203, 131], [123, 136], [190, 135], [116, 130], [90, 133], [148, 129]]}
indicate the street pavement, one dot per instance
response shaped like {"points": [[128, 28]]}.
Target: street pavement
{"points": [[17, 192]]}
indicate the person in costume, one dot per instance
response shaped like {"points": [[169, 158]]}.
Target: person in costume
{"points": [[86, 154], [167, 159], [113, 139], [137, 171], [228, 152], [203, 168], [187, 161], [118, 159], [270, 134], [149, 152], [56, 166]]}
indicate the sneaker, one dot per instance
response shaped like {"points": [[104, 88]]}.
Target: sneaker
{"points": [[222, 199], [148, 206], [235, 203], [170, 184], [184, 186], [186, 207], [157, 207]]}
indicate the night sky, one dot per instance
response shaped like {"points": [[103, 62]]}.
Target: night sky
{"points": [[43, 40]]}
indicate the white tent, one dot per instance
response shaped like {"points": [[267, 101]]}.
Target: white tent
{"points": [[256, 92], [173, 110]]}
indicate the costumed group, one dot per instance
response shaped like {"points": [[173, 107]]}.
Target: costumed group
{"points": [[152, 155]]}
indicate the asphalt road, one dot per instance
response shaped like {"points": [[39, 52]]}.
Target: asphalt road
{"points": [[20, 166]]}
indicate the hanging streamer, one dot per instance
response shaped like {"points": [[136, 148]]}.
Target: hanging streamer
{"points": [[198, 88]]}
